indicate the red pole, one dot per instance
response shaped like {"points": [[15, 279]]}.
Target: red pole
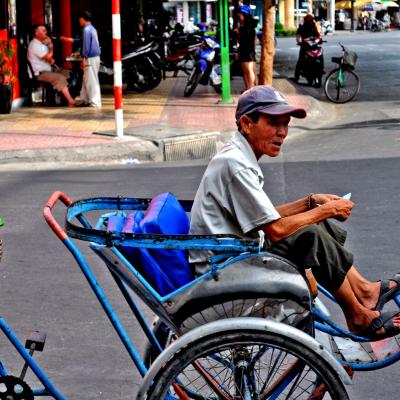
{"points": [[116, 30], [65, 27]]}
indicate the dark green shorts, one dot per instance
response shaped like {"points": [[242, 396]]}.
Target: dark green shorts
{"points": [[319, 247]]}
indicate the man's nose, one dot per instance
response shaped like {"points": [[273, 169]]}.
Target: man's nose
{"points": [[282, 131]]}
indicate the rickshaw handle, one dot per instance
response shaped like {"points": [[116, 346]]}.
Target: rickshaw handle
{"points": [[48, 216]]}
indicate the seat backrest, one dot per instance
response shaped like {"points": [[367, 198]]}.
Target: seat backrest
{"points": [[166, 270], [166, 216]]}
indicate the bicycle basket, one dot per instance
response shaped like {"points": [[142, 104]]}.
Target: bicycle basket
{"points": [[350, 58]]}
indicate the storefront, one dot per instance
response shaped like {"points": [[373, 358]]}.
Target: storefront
{"points": [[61, 18]]}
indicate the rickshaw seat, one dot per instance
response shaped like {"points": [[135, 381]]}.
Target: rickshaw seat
{"points": [[166, 270]]}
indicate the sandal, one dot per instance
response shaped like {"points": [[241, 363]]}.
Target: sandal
{"points": [[386, 292], [385, 320]]}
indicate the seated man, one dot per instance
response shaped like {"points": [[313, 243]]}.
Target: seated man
{"points": [[40, 55], [231, 200]]}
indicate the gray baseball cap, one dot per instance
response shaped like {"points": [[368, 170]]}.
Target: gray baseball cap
{"points": [[266, 100]]}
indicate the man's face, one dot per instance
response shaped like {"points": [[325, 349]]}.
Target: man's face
{"points": [[41, 33], [82, 22], [267, 135]]}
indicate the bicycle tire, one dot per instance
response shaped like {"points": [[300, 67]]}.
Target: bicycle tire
{"points": [[341, 94], [228, 365]]}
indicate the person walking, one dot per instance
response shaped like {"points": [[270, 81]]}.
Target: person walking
{"points": [[90, 52], [247, 46]]}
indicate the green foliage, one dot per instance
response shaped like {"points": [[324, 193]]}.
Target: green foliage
{"points": [[6, 55], [281, 31]]}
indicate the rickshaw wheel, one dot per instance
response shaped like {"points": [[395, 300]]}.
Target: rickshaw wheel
{"points": [[245, 364]]}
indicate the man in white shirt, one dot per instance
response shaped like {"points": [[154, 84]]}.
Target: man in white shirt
{"points": [[40, 55]]}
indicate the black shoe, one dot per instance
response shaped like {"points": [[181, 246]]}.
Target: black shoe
{"points": [[294, 79]]}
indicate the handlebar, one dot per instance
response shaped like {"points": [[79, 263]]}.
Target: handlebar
{"points": [[48, 215]]}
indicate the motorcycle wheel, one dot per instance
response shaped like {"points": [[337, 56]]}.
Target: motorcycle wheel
{"points": [[192, 82], [150, 78]]}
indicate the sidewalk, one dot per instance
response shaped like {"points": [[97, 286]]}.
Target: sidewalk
{"points": [[152, 120]]}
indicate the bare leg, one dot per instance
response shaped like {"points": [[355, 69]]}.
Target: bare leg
{"points": [[248, 74], [366, 292], [358, 316], [66, 94]]}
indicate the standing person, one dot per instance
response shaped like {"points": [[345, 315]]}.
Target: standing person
{"points": [[305, 31], [90, 51], [231, 200], [40, 56], [247, 46]]}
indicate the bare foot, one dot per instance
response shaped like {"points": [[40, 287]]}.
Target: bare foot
{"points": [[364, 321]]}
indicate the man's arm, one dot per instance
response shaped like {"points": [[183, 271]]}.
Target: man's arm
{"points": [[279, 229], [48, 57], [305, 203]]}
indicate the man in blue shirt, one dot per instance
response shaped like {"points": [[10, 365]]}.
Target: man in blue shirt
{"points": [[90, 51]]}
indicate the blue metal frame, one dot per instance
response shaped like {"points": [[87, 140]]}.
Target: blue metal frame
{"points": [[49, 388], [230, 247], [333, 329], [230, 250]]}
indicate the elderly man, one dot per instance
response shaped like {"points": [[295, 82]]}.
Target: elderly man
{"points": [[40, 55], [231, 200]]}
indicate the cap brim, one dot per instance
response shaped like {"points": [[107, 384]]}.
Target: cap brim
{"points": [[283, 109]]}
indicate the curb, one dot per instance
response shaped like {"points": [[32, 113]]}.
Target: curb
{"points": [[134, 149]]}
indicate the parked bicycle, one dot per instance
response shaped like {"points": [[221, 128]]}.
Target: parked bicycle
{"points": [[342, 84]]}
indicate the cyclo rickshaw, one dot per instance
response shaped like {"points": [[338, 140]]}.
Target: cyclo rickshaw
{"points": [[250, 328]]}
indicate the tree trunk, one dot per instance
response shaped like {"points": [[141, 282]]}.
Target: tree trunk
{"points": [[267, 46]]}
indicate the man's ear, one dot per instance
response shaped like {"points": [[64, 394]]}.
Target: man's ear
{"points": [[245, 123]]}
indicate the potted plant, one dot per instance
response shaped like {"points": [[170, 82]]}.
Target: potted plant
{"points": [[6, 77]]}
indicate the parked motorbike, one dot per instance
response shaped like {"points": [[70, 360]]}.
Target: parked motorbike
{"points": [[205, 70], [141, 70], [142, 67], [179, 52], [377, 25], [313, 65]]}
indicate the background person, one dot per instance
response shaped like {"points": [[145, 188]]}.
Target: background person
{"points": [[90, 93], [231, 200], [247, 46], [40, 56], [305, 31]]}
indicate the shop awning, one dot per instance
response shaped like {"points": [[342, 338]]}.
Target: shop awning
{"points": [[367, 4]]}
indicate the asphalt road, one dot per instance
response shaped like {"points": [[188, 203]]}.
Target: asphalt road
{"points": [[42, 288], [368, 126], [377, 64]]}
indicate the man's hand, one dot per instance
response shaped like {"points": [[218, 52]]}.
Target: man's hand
{"points": [[318, 199], [339, 208]]}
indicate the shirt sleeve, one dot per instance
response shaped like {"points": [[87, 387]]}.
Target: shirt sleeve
{"points": [[251, 206], [86, 42]]}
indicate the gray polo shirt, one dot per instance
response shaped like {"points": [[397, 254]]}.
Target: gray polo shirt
{"points": [[230, 198]]}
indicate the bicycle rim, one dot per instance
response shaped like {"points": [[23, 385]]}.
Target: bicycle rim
{"points": [[341, 86], [243, 365]]}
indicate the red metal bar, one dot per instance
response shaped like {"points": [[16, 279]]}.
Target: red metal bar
{"points": [[48, 216]]}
